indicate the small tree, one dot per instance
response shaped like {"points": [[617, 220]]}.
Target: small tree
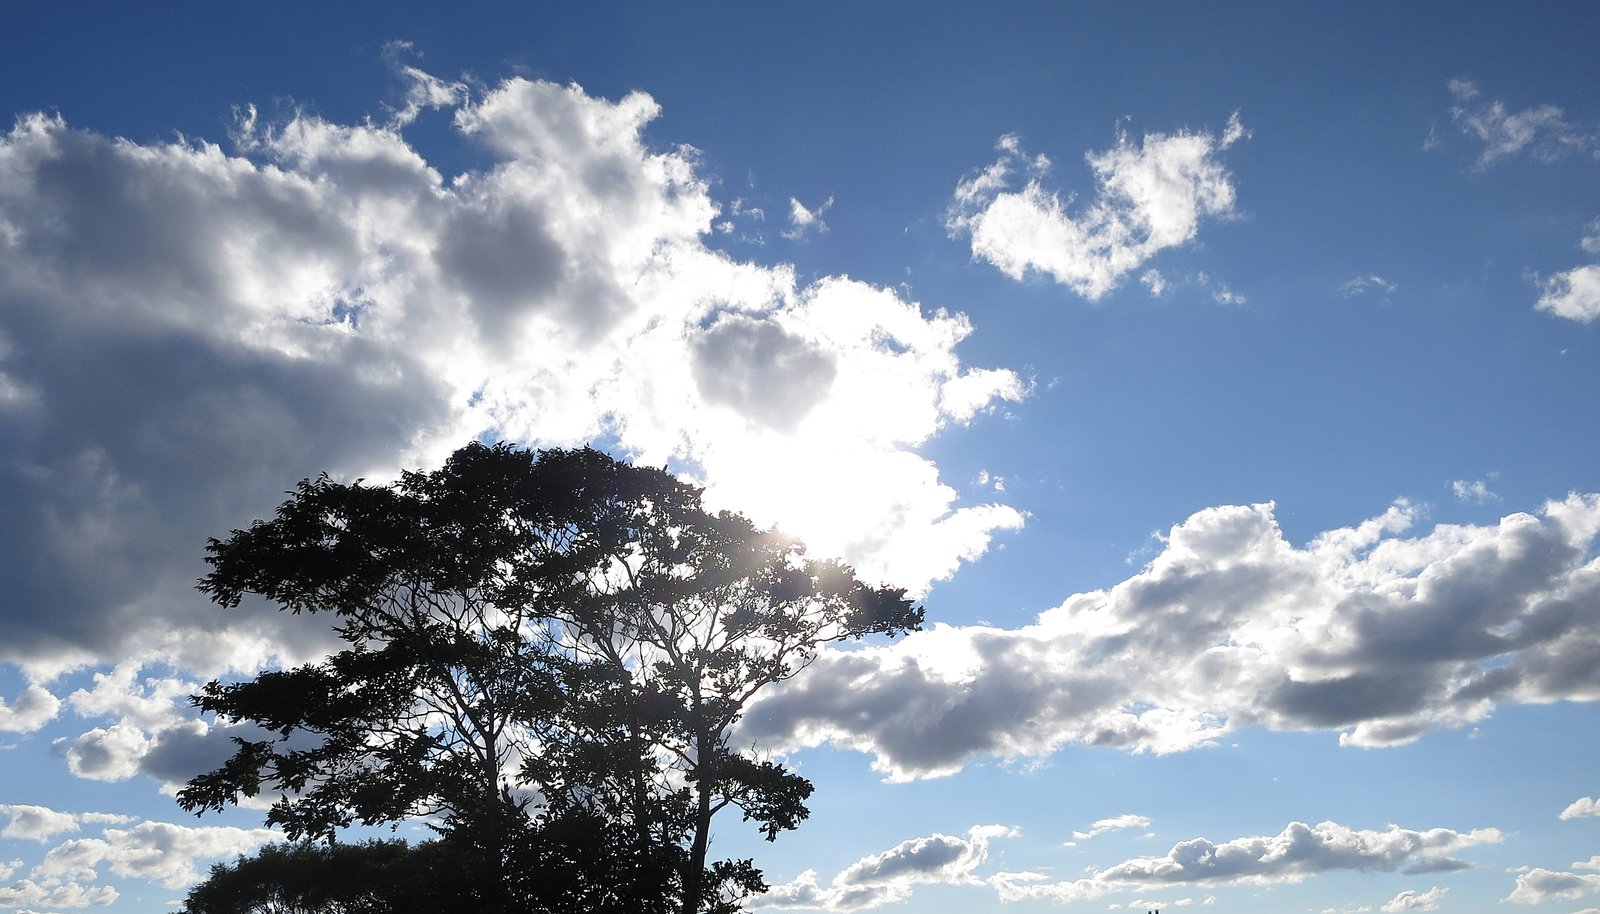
{"points": [[547, 655]]}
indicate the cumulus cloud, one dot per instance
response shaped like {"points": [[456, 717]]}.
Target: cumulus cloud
{"points": [[1575, 294], [158, 851], [1413, 900], [1536, 885], [1295, 854], [186, 330], [890, 876], [1582, 807], [107, 753], [28, 712], [1365, 631], [152, 730], [36, 823], [150, 702], [1542, 131], [1150, 195], [55, 895]]}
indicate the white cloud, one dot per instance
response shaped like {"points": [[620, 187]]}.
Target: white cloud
{"points": [[1218, 291], [1295, 854], [1582, 807], [1413, 900], [989, 480], [890, 876], [1536, 886], [107, 753], [1149, 196], [1113, 823], [1541, 130], [803, 220], [1573, 294], [1591, 241], [55, 895], [158, 851], [424, 90], [1476, 490], [1593, 863], [29, 711], [1374, 635], [36, 823], [41, 823], [150, 703], [186, 331], [1223, 295], [1364, 284]]}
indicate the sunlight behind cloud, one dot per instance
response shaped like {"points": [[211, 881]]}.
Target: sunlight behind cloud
{"points": [[351, 311]]}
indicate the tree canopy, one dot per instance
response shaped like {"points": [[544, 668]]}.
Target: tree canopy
{"points": [[546, 653], [372, 877]]}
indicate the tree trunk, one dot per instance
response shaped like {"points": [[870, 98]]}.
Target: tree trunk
{"points": [[705, 783]]}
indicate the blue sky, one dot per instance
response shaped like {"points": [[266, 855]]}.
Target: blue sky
{"points": [[1222, 375]]}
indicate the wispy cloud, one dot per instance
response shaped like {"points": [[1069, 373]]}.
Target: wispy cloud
{"points": [[1160, 284], [1413, 900], [1475, 490], [1542, 130], [1361, 285], [1150, 195], [1114, 823], [803, 221], [424, 91]]}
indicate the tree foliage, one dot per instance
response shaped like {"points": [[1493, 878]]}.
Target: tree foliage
{"points": [[546, 655], [375, 877]]}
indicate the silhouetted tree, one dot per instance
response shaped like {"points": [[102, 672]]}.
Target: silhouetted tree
{"points": [[375, 877], [547, 654]]}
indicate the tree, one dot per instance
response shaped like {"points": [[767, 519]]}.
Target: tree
{"points": [[374, 877], [547, 655]]}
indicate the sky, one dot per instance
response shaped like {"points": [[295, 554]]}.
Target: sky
{"points": [[1221, 378]]}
